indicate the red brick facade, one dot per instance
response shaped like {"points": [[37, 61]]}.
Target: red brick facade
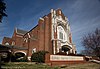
{"points": [[44, 36]]}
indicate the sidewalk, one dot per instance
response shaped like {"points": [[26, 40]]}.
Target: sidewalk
{"points": [[96, 61]]}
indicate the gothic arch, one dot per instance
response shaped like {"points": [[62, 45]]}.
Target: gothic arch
{"points": [[61, 24]]}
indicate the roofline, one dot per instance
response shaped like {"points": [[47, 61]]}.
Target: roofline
{"points": [[31, 29], [20, 33], [7, 37]]}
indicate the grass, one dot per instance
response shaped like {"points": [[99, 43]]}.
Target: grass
{"points": [[26, 65], [29, 65], [84, 66]]}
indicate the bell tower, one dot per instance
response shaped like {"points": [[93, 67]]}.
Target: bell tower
{"points": [[61, 34]]}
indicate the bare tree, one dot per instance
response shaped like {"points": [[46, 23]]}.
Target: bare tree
{"points": [[2, 9], [91, 43]]}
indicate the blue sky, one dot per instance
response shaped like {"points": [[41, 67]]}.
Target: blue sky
{"points": [[83, 15]]}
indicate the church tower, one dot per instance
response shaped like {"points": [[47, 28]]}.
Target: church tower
{"points": [[61, 33]]}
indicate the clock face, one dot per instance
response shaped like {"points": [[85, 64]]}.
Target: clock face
{"points": [[61, 33]]}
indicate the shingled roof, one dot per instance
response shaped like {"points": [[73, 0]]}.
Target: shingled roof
{"points": [[19, 31]]}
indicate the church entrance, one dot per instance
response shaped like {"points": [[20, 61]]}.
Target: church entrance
{"points": [[65, 48]]}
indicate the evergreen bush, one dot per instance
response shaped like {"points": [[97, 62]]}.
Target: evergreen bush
{"points": [[38, 56]]}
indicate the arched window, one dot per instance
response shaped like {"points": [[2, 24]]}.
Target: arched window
{"points": [[61, 35], [26, 40], [6, 43], [13, 43]]}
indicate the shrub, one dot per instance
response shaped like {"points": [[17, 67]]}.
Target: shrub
{"points": [[5, 58], [38, 56]]}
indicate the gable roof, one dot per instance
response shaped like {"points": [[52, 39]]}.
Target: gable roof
{"points": [[31, 29], [7, 40]]}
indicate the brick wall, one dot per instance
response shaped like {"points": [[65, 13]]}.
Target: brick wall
{"points": [[40, 36], [62, 62]]}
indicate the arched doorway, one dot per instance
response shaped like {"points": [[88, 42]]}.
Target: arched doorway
{"points": [[65, 48], [19, 55]]}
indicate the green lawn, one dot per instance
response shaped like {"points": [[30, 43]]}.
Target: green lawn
{"points": [[84, 66], [28, 65]]}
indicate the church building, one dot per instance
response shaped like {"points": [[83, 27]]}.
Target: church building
{"points": [[52, 34]]}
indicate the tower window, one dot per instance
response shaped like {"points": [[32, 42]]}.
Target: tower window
{"points": [[60, 35]]}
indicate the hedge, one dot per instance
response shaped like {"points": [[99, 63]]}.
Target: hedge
{"points": [[38, 56]]}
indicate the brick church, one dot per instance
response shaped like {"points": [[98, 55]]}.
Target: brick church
{"points": [[52, 33]]}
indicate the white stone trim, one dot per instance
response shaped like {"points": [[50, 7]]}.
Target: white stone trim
{"points": [[60, 12], [29, 58], [51, 10], [33, 50], [29, 35], [66, 58], [20, 51], [54, 47], [41, 18], [17, 32], [19, 35], [6, 43], [56, 20], [52, 34]]}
